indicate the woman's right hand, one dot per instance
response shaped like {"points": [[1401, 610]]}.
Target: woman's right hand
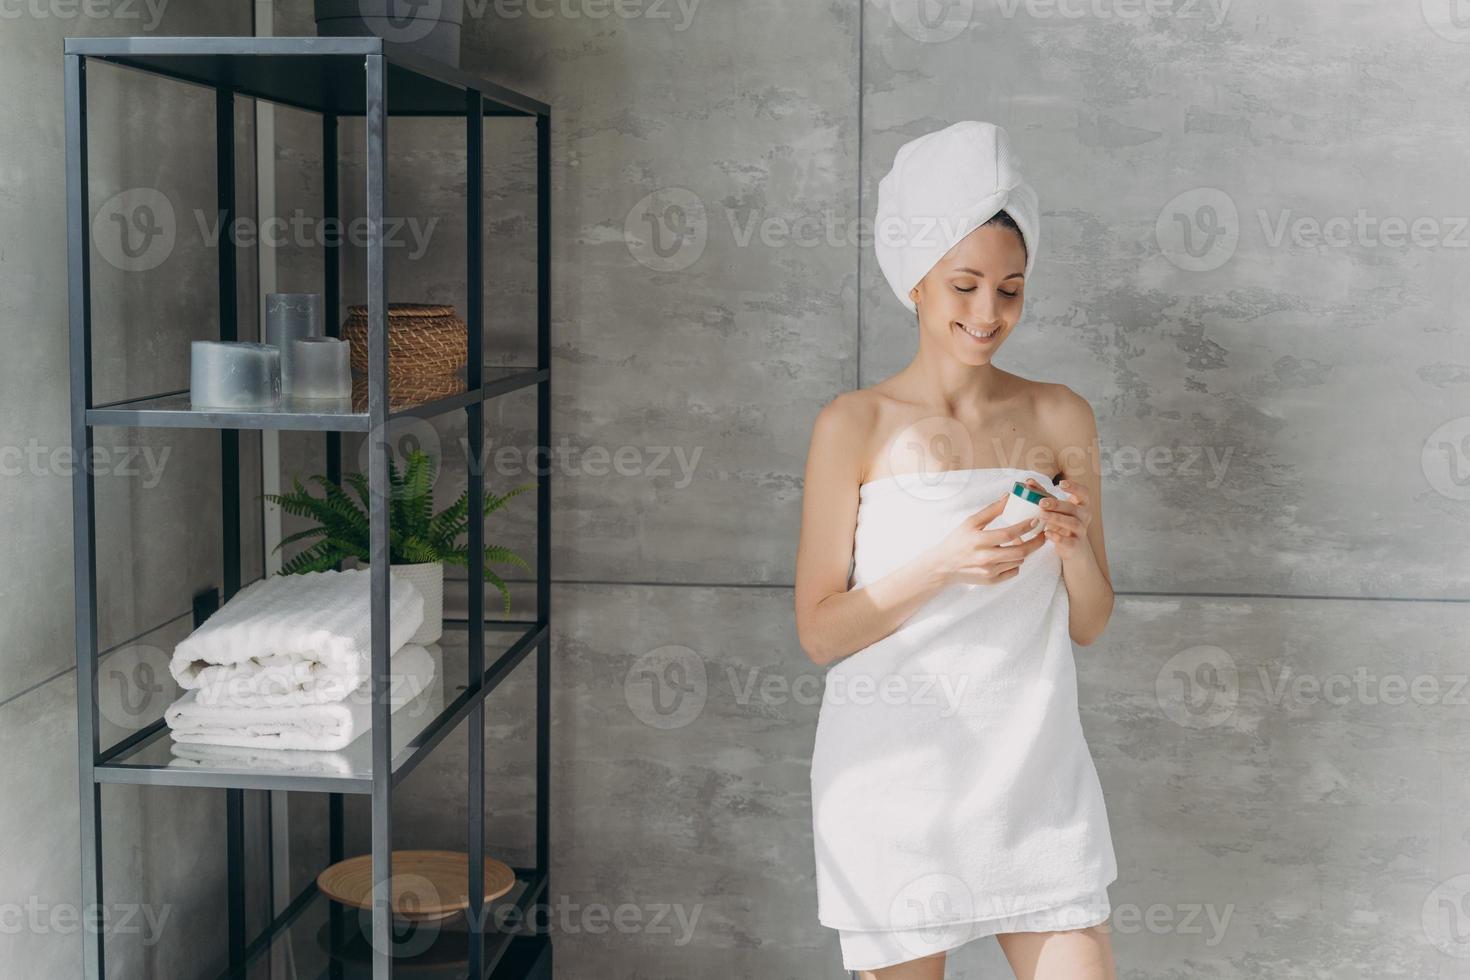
{"points": [[975, 556]]}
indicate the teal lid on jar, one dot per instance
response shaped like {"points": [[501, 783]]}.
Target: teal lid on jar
{"points": [[1027, 494]]}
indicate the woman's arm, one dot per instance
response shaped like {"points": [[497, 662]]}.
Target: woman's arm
{"points": [[831, 621], [1077, 530]]}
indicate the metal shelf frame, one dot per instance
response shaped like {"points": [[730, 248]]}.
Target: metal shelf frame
{"points": [[333, 77]]}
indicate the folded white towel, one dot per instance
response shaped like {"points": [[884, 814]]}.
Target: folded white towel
{"points": [[190, 755], [319, 727], [292, 640]]}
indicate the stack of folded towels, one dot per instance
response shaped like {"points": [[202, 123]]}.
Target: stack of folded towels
{"points": [[286, 664]]}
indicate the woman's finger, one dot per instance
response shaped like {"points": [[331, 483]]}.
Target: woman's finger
{"points": [[1062, 534], [1076, 491], [1065, 522], [1021, 549], [1064, 485], [1081, 515], [1008, 533], [1058, 506]]}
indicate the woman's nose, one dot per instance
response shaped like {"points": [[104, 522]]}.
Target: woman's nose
{"points": [[982, 310]]}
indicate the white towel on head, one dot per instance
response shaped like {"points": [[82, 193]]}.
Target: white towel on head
{"points": [[292, 640], [320, 727], [943, 186]]}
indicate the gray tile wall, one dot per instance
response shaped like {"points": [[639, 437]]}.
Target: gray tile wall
{"points": [[1303, 398], [1282, 420], [1277, 709], [158, 528], [1279, 706]]}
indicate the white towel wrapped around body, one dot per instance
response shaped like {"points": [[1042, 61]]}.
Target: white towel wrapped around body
{"points": [[319, 727], [951, 781], [292, 640]]}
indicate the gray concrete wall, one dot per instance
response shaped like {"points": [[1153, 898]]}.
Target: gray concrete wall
{"points": [[1277, 708], [692, 344], [1275, 705], [158, 529]]}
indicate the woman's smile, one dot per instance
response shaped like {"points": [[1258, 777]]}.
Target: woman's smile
{"points": [[979, 336]]}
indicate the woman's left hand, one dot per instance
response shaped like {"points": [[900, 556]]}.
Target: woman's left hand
{"points": [[1066, 521]]}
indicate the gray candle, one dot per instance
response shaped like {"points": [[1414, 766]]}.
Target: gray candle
{"points": [[319, 368], [290, 317], [232, 375]]}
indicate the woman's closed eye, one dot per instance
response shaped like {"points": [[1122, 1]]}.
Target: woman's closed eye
{"points": [[971, 289]]}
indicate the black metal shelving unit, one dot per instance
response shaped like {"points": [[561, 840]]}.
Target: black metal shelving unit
{"points": [[333, 77]]}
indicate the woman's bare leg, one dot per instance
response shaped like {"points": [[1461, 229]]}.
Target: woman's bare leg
{"points": [[928, 968], [1076, 954]]}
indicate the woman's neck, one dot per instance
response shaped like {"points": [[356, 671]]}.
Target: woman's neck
{"points": [[936, 378]]}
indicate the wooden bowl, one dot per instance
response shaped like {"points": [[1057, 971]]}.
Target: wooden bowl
{"points": [[427, 885]]}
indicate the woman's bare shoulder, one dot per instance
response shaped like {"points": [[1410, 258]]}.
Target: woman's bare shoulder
{"points": [[848, 418], [1066, 419], [1057, 402], [844, 430]]}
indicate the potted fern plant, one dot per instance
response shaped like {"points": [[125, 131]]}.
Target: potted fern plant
{"points": [[420, 542]]}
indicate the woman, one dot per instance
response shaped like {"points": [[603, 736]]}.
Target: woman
{"points": [[953, 794]]}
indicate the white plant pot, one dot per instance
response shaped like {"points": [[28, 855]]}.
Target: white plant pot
{"points": [[428, 578]]}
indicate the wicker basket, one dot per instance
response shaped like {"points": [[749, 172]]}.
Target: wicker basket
{"points": [[423, 341], [413, 390]]}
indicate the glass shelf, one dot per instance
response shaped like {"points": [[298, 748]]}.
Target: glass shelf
{"points": [[419, 725], [173, 409], [321, 938]]}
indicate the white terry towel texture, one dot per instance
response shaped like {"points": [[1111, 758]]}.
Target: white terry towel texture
{"points": [[292, 640], [944, 185], [950, 778], [320, 727], [408, 716], [192, 755]]}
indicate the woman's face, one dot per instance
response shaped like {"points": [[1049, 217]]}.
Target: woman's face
{"points": [[977, 288]]}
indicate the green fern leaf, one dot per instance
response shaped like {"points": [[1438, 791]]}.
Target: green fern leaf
{"points": [[497, 553], [499, 583]]}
